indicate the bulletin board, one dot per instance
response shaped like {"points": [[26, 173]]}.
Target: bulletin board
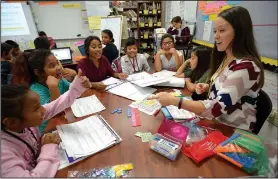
{"points": [[264, 18], [61, 19]]}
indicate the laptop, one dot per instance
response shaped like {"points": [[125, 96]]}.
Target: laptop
{"points": [[29, 50], [82, 50], [63, 54]]}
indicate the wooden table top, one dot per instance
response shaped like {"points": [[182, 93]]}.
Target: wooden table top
{"points": [[146, 163]]}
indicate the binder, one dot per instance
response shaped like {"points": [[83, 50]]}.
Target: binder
{"points": [[66, 161]]}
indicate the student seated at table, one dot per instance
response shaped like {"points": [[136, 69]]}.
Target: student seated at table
{"points": [[50, 39], [95, 66], [236, 75], [167, 58], [110, 50], [24, 152], [196, 69], [6, 65], [42, 43], [177, 30], [36, 69], [15, 51], [133, 62]]}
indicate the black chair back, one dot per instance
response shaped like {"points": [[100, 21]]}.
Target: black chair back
{"points": [[264, 108]]}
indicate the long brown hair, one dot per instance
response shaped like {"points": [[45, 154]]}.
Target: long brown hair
{"points": [[243, 44], [204, 56]]}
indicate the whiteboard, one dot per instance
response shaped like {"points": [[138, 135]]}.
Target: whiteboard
{"points": [[59, 22], [115, 25], [25, 41]]}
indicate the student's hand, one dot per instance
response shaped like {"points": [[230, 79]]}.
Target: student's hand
{"points": [[50, 138], [85, 82], [99, 86], [164, 98], [201, 88], [52, 81], [160, 52], [172, 50], [122, 76]]}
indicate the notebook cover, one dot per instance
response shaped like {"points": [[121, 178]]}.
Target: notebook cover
{"points": [[173, 130]]}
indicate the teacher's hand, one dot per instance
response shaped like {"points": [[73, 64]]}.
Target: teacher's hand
{"points": [[165, 99]]}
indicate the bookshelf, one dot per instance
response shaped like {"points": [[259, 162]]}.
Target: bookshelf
{"points": [[149, 18]]}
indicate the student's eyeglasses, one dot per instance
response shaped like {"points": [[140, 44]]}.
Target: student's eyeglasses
{"points": [[167, 43]]}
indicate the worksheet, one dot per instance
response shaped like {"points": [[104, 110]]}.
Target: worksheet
{"points": [[87, 105], [145, 79], [132, 91], [85, 137], [112, 82], [172, 81]]}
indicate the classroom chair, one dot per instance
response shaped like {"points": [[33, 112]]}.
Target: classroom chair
{"points": [[264, 108], [116, 65], [188, 44]]}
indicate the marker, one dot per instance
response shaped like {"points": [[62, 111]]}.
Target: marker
{"points": [[156, 112]]}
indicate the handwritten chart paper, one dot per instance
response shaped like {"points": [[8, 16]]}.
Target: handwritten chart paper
{"points": [[212, 8], [207, 30], [201, 5], [94, 22]]}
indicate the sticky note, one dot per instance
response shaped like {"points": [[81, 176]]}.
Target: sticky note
{"points": [[142, 24], [138, 134], [146, 11], [146, 137], [205, 17], [201, 5], [94, 22], [212, 17], [46, 3], [225, 7], [71, 5], [233, 2], [154, 11]]}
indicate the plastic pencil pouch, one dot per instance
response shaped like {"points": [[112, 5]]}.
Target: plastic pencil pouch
{"points": [[165, 146], [246, 151], [116, 171]]}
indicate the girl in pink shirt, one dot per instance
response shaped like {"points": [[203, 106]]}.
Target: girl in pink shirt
{"points": [[23, 152]]}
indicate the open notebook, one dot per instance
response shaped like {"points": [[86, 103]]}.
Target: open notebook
{"points": [[172, 81], [85, 138]]}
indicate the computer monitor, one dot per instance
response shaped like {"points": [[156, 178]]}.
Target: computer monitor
{"points": [[82, 50], [63, 54], [29, 50]]}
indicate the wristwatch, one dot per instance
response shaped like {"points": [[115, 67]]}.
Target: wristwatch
{"points": [[180, 102]]}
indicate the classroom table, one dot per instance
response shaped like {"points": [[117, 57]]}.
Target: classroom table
{"points": [[146, 163]]}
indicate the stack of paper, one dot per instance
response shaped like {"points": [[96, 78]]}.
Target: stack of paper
{"points": [[149, 107], [84, 138], [144, 79], [178, 114], [85, 106], [131, 91], [112, 82], [172, 81]]}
